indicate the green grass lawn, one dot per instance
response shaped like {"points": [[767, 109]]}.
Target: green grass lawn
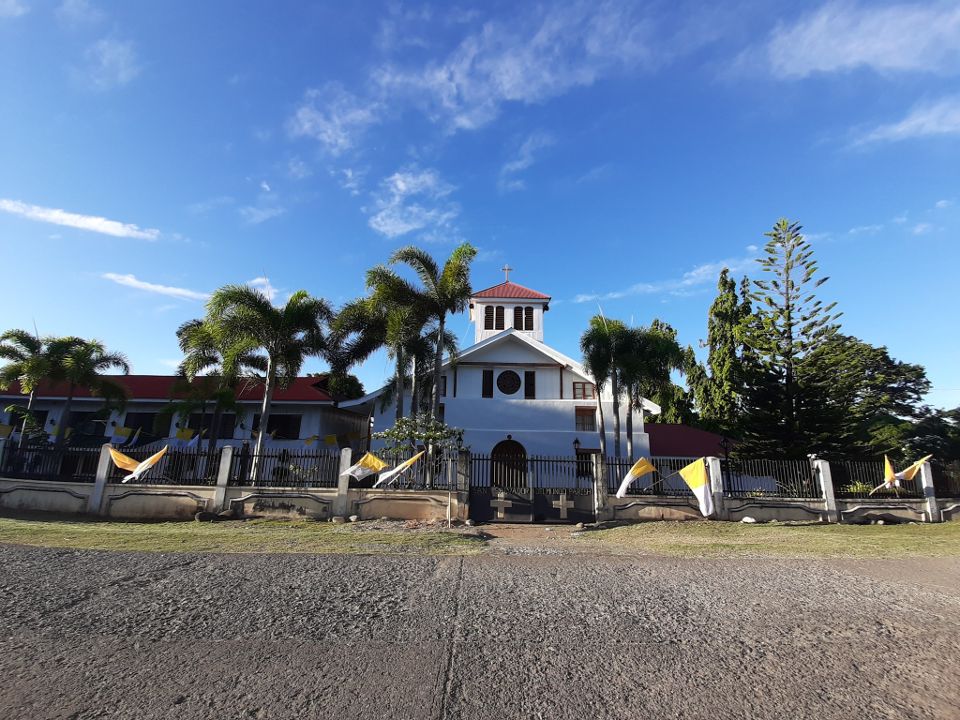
{"points": [[724, 539], [250, 536]]}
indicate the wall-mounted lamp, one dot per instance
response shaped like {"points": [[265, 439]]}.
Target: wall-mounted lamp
{"points": [[576, 444]]}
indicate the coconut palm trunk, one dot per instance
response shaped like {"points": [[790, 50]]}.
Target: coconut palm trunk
{"points": [[401, 362], [26, 418], [264, 421], [629, 421], [438, 368], [58, 438], [615, 390]]}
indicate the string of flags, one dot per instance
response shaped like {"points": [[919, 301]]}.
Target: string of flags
{"points": [[370, 464], [694, 475]]}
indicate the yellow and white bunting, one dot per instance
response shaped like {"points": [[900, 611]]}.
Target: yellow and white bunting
{"points": [[891, 479], [368, 465], [696, 478], [640, 468], [392, 475], [137, 469], [121, 435]]}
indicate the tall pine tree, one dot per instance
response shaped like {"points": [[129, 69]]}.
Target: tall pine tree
{"points": [[783, 395]]}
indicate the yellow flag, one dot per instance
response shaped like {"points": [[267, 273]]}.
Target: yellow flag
{"points": [[912, 471], [640, 468], [391, 474], [889, 476], [695, 476], [123, 461], [330, 439], [184, 434], [367, 465]]}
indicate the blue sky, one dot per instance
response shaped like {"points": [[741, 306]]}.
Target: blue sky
{"points": [[613, 153]]}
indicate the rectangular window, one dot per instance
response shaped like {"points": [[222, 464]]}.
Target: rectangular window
{"points": [[499, 318], [488, 383], [85, 423], [530, 384], [227, 422], [488, 317], [441, 412], [280, 426], [518, 318], [443, 386], [528, 315], [585, 462], [584, 391], [586, 420], [146, 423]]}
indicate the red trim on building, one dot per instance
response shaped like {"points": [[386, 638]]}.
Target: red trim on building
{"points": [[510, 290], [161, 387]]}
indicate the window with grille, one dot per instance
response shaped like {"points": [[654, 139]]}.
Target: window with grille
{"points": [[530, 384], [584, 391], [518, 318], [443, 386], [281, 426], [586, 420], [488, 317], [528, 318], [498, 324]]}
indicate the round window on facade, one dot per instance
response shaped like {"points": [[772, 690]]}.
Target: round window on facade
{"points": [[508, 382]]}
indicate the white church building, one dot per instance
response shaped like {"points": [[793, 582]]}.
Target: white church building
{"points": [[510, 387]]}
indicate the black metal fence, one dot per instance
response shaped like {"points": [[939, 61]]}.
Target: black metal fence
{"points": [[946, 479], [285, 468], [178, 466], [858, 478], [770, 478], [665, 481], [438, 473], [535, 471], [67, 464]]}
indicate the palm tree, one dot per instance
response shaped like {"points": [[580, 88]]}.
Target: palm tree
{"points": [[80, 364], [246, 322], [28, 363], [205, 352], [443, 291], [601, 344], [643, 363]]}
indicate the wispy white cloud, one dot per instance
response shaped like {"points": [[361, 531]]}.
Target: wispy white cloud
{"points": [[539, 55], [13, 8], [594, 174], [843, 36], [698, 277], [128, 280], [78, 13], [508, 180], [921, 228], [205, 206], [350, 179], [412, 200], [263, 284], [929, 119], [108, 63], [942, 204], [255, 214], [265, 186], [298, 169], [334, 117], [865, 230], [92, 223]]}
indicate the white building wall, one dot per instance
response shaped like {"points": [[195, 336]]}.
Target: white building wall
{"points": [[478, 312]]}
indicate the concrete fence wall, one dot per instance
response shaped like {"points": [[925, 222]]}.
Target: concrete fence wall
{"points": [[172, 502]]}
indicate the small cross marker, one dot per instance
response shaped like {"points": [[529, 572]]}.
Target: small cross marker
{"points": [[562, 504], [501, 504], [506, 271]]}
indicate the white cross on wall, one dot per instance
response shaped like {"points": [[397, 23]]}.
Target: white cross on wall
{"points": [[562, 504], [501, 504]]}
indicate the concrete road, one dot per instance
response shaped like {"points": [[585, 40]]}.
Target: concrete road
{"points": [[518, 635]]}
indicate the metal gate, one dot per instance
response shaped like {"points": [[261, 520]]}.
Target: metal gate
{"points": [[516, 488]]}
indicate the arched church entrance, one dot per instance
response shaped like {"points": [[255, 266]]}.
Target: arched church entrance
{"points": [[508, 464]]}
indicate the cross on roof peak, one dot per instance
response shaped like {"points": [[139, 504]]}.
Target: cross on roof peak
{"points": [[506, 271]]}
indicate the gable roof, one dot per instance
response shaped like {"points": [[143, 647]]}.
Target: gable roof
{"points": [[510, 290], [161, 387]]}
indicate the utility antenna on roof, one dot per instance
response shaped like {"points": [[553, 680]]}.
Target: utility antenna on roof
{"points": [[506, 271]]}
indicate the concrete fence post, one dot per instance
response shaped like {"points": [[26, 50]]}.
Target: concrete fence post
{"points": [[929, 494], [600, 490], [104, 465], [716, 487], [463, 470], [826, 487], [223, 478], [3, 452], [342, 500]]}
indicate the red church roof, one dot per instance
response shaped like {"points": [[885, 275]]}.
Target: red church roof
{"points": [[511, 290], [161, 387]]}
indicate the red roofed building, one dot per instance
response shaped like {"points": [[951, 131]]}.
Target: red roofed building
{"points": [[302, 410], [508, 305]]}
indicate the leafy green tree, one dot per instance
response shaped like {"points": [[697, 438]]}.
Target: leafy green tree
{"points": [[442, 291], [80, 363], [718, 388], [28, 363], [644, 358], [246, 322], [421, 429], [782, 393], [601, 343], [212, 372]]}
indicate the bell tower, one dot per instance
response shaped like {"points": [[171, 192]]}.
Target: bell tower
{"points": [[508, 305]]}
